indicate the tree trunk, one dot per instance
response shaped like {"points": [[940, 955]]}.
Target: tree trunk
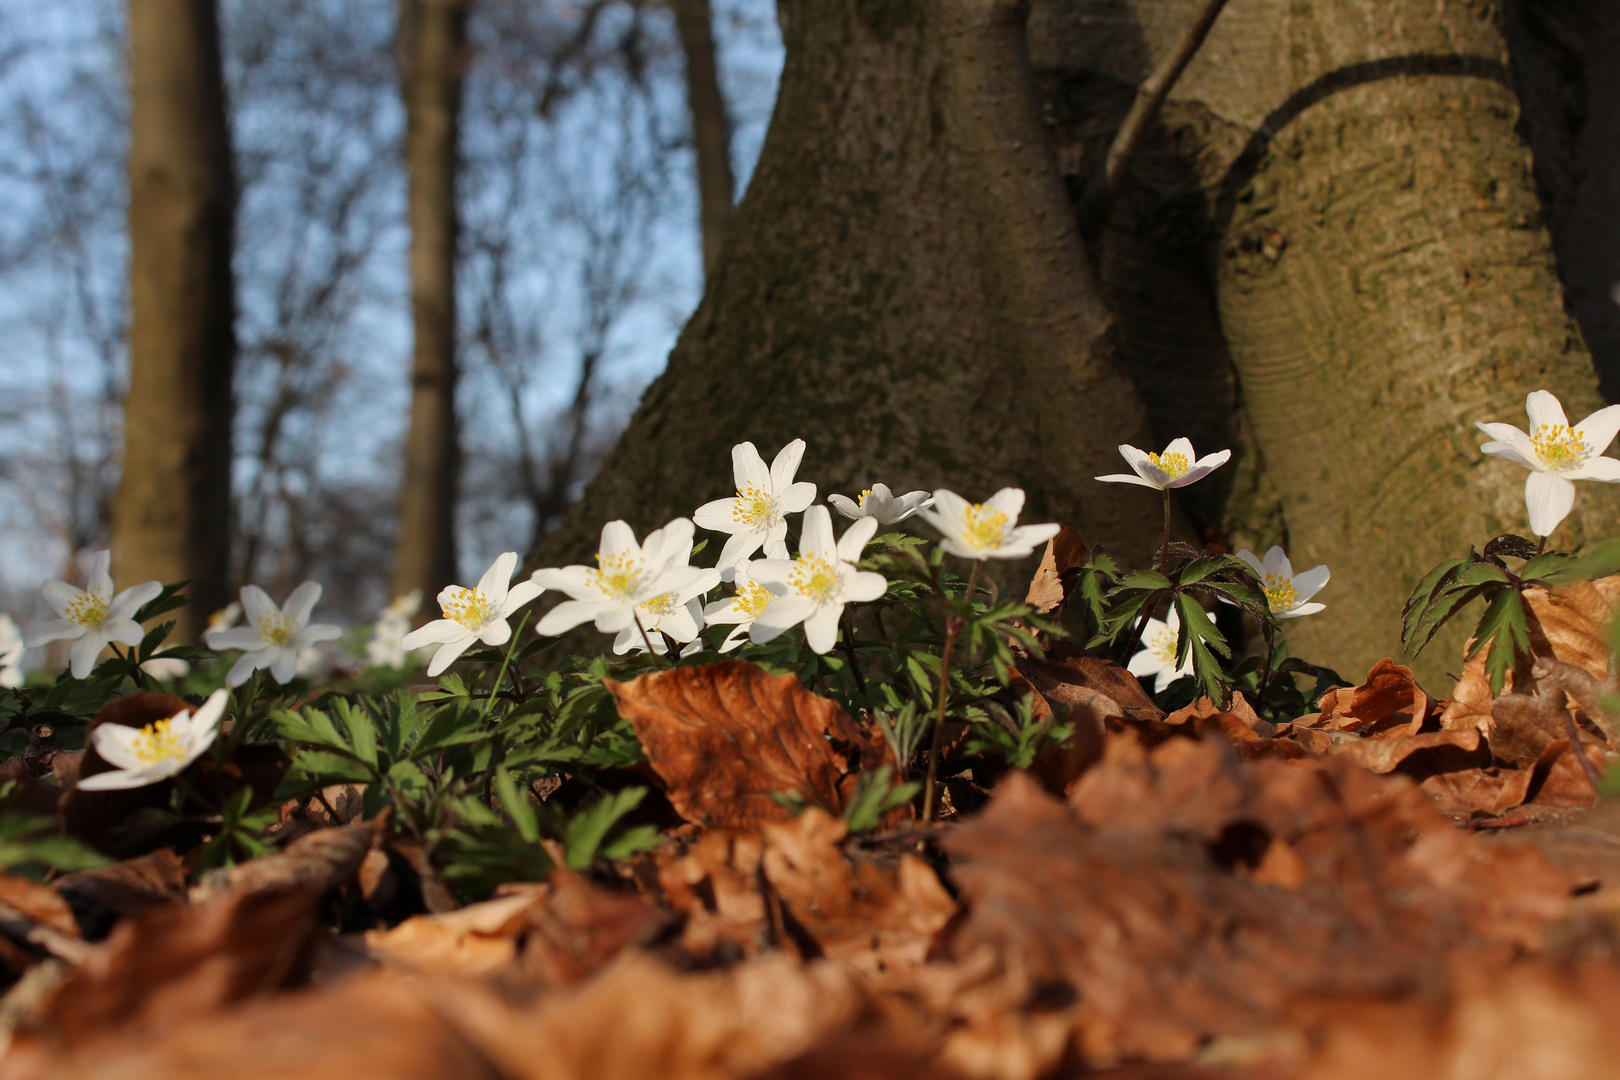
{"points": [[903, 287], [432, 55], [711, 128], [1380, 272], [171, 517]]}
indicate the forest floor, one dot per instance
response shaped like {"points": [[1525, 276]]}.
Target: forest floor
{"points": [[1395, 885]]}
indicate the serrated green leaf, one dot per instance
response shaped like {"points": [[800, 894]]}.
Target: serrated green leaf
{"points": [[1143, 579], [1506, 630], [588, 828]]}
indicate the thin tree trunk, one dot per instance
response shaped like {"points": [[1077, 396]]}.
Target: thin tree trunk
{"points": [[711, 127], [432, 55], [171, 518], [1380, 269], [903, 287]]}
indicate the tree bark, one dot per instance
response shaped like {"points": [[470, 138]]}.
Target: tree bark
{"points": [[903, 287], [171, 516], [432, 55], [711, 127], [1380, 271]]}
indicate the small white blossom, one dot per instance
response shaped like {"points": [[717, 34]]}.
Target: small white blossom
{"points": [[987, 530], [226, 617], [1556, 454], [12, 648], [757, 516], [166, 668], [142, 756], [677, 613], [386, 647], [1177, 467], [627, 575], [275, 636], [879, 502], [1158, 654], [92, 618], [476, 614], [1286, 592], [742, 607], [814, 588]]}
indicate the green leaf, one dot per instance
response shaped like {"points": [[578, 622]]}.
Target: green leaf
{"points": [[1143, 579], [587, 829], [1506, 630], [332, 768], [517, 806]]}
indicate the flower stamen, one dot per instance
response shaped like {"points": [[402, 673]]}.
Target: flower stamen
{"points": [[751, 599], [814, 576], [157, 742], [983, 527], [1559, 445], [1280, 592], [754, 506], [1174, 466], [87, 609], [661, 605], [469, 607], [617, 575]]}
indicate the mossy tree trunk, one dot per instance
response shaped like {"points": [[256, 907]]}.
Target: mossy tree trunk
{"points": [[903, 286], [1377, 262], [172, 514]]}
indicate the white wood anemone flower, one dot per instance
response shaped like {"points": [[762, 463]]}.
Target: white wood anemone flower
{"points": [[142, 756], [814, 588], [742, 607], [1157, 657], [273, 636], [386, 646], [626, 575], [677, 613], [1287, 594], [476, 614], [879, 502], [756, 517], [1177, 467], [987, 530], [92, 618], [1556, 454]]}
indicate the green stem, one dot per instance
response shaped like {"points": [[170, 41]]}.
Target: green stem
{"points": [[849, 650], [953, 627], [138, 675], [647, 640], [1164, 549], [501, 675], [1541, 544]]}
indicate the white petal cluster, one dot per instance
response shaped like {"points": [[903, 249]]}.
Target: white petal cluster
{"points": [[1287, 594], [987, 530], [274, 636], [92, 617], [12, 648], [386, 646], [476, 614], [1177, 467], [1556, 454], [756, 517], [815, 588], [631, 583], [879, 502], [142, 756], [1157, 656], [743, 607]]}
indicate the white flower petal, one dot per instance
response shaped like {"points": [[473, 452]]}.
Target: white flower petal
{"points": [[244, 667], [284, 668], [100, 579], [1210, 462], [1125, 478], [739, 546], [864, 586], [1549, 498], [115, 744], [122, 780], [821, 627], [302, 602], [1544, 408], [1598, 430], [576, 581], [130, 600], [59, 594], [257, 605], [786, 466], [498, 579], [1253, 563], [1303, 609], [437, 632], [797, 497], [719, 516], [748, 468], [846, 506], [495, 633], [565, 616], [448, 654], [240, 637], [55, 630], [1309, 583], [123, 631], [1602, 469], [84, 652], [853, 543], [519, 595]]}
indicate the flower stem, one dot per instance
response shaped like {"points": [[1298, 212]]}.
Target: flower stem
{"points": [[1541, 544], [1164, 549], [501, 675], [849, 650], [953, 627], [647, 640]]}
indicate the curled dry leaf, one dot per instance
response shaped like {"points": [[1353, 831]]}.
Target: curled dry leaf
{"points": [[726, 737], [101, 896], [1388, 704], [321, 860], [1063, 552]]}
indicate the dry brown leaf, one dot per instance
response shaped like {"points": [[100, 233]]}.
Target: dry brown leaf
{"points": [[1471, 793], [727, 736], [177, 963], [714, 886], [38, 903], [1442, 751], [105, 894], [1388, 703], [1063, 552], [321, 860]]}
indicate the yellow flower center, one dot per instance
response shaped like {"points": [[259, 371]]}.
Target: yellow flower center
{"points": [[1280, 592], [864, 493], [1174, 466], [276, 628], [469, 607], [659, 606], [616, 575], [87, 609], [814, 577], [157, 742], [753, 506], [1163, 644], [983, 527], [1558, 445], [751, 599]]}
